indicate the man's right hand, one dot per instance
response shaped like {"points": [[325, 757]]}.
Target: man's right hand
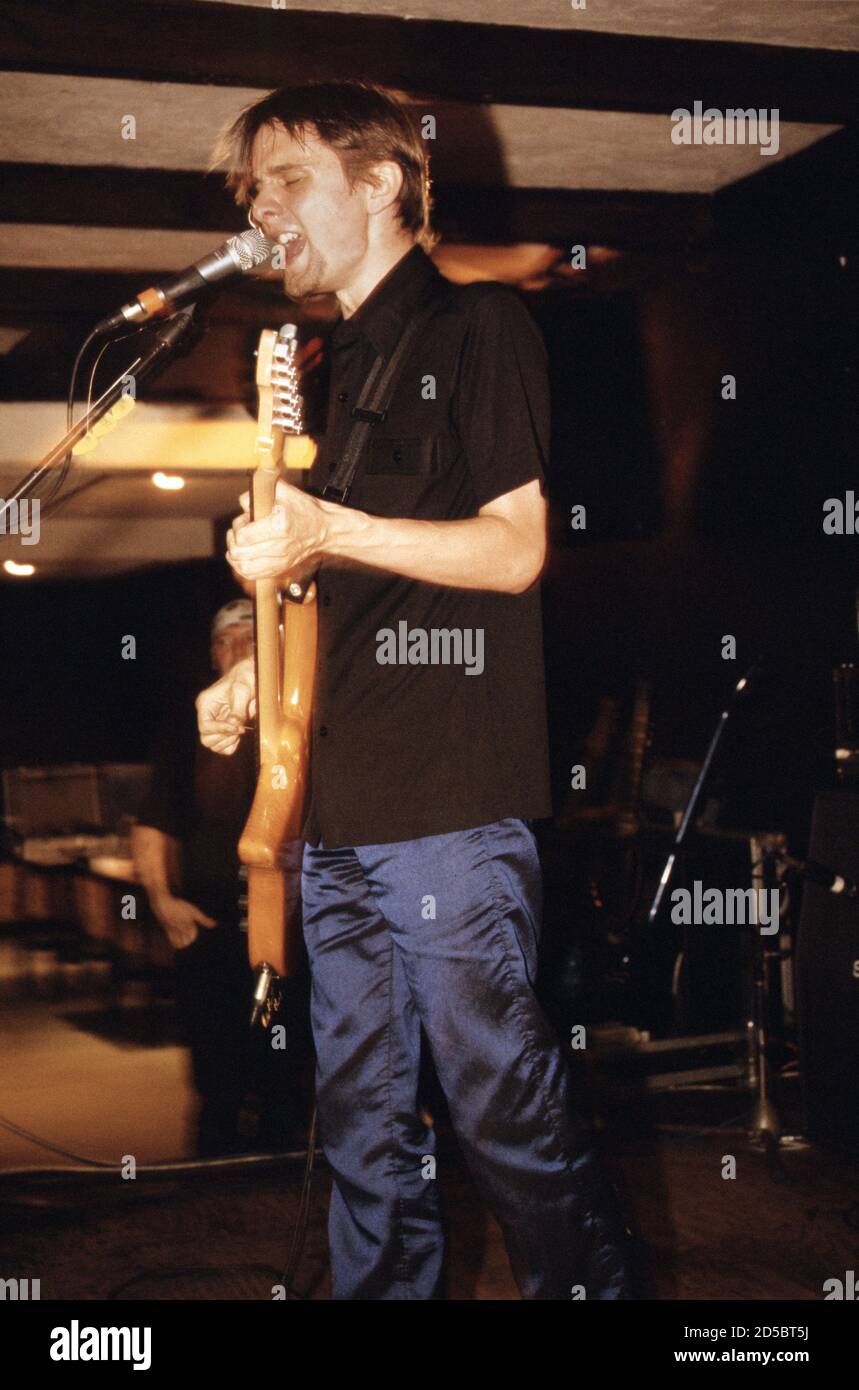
{"points": [[223, 709], [181, 920]]}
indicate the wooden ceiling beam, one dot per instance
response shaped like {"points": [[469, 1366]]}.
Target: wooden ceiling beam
{"points": [[171, 200], [233, 45]]}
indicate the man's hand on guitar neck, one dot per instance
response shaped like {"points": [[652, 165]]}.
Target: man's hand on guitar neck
{"points": [[223, 709], [502, 549], [291, 540]]}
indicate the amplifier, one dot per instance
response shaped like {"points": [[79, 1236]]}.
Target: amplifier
{"points": [[827, 977]]}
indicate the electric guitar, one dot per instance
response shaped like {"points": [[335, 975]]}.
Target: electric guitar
{"points": [[285, 660]]}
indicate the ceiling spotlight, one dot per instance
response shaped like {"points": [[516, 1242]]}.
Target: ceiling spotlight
{"points": [[170, 482], [12, 567]]}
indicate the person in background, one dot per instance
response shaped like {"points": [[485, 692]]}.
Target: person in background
{"points": [[185, 848]]}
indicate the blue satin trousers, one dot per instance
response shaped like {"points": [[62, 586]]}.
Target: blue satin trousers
{"points": [[443, 932]]}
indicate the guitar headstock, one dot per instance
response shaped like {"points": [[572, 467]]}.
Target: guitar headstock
{"points": [[280, 416]]}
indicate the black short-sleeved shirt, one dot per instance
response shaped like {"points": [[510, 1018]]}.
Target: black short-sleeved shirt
{"points": [[202, 799], [448, 729]]}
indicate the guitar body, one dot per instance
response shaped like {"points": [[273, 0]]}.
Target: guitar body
{"points": [[285, 658], [276, 816]]}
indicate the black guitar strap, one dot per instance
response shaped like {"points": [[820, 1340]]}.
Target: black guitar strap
{"points": [[372, 407]]}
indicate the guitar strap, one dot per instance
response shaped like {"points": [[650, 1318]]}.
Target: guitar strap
{"points": [[372, 407]]}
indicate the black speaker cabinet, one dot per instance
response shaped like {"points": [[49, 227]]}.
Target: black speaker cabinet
{"points": [[827, 965]]}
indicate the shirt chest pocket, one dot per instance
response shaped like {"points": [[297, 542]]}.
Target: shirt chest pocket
{"points": [[406, 457]]}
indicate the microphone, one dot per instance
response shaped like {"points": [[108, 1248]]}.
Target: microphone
{"points": [[238, 255]]}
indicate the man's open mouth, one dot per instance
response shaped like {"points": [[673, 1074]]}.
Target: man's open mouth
{"points": [[291, 245]]}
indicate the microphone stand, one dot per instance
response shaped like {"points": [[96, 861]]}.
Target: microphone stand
{"points": [[742, 685], [763, 1126], [169, 341]]}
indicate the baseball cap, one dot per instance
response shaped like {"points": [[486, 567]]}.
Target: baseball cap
{"points": [[240, 610]]}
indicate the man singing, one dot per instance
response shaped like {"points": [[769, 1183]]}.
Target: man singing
{"points": [[420, 881]]}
